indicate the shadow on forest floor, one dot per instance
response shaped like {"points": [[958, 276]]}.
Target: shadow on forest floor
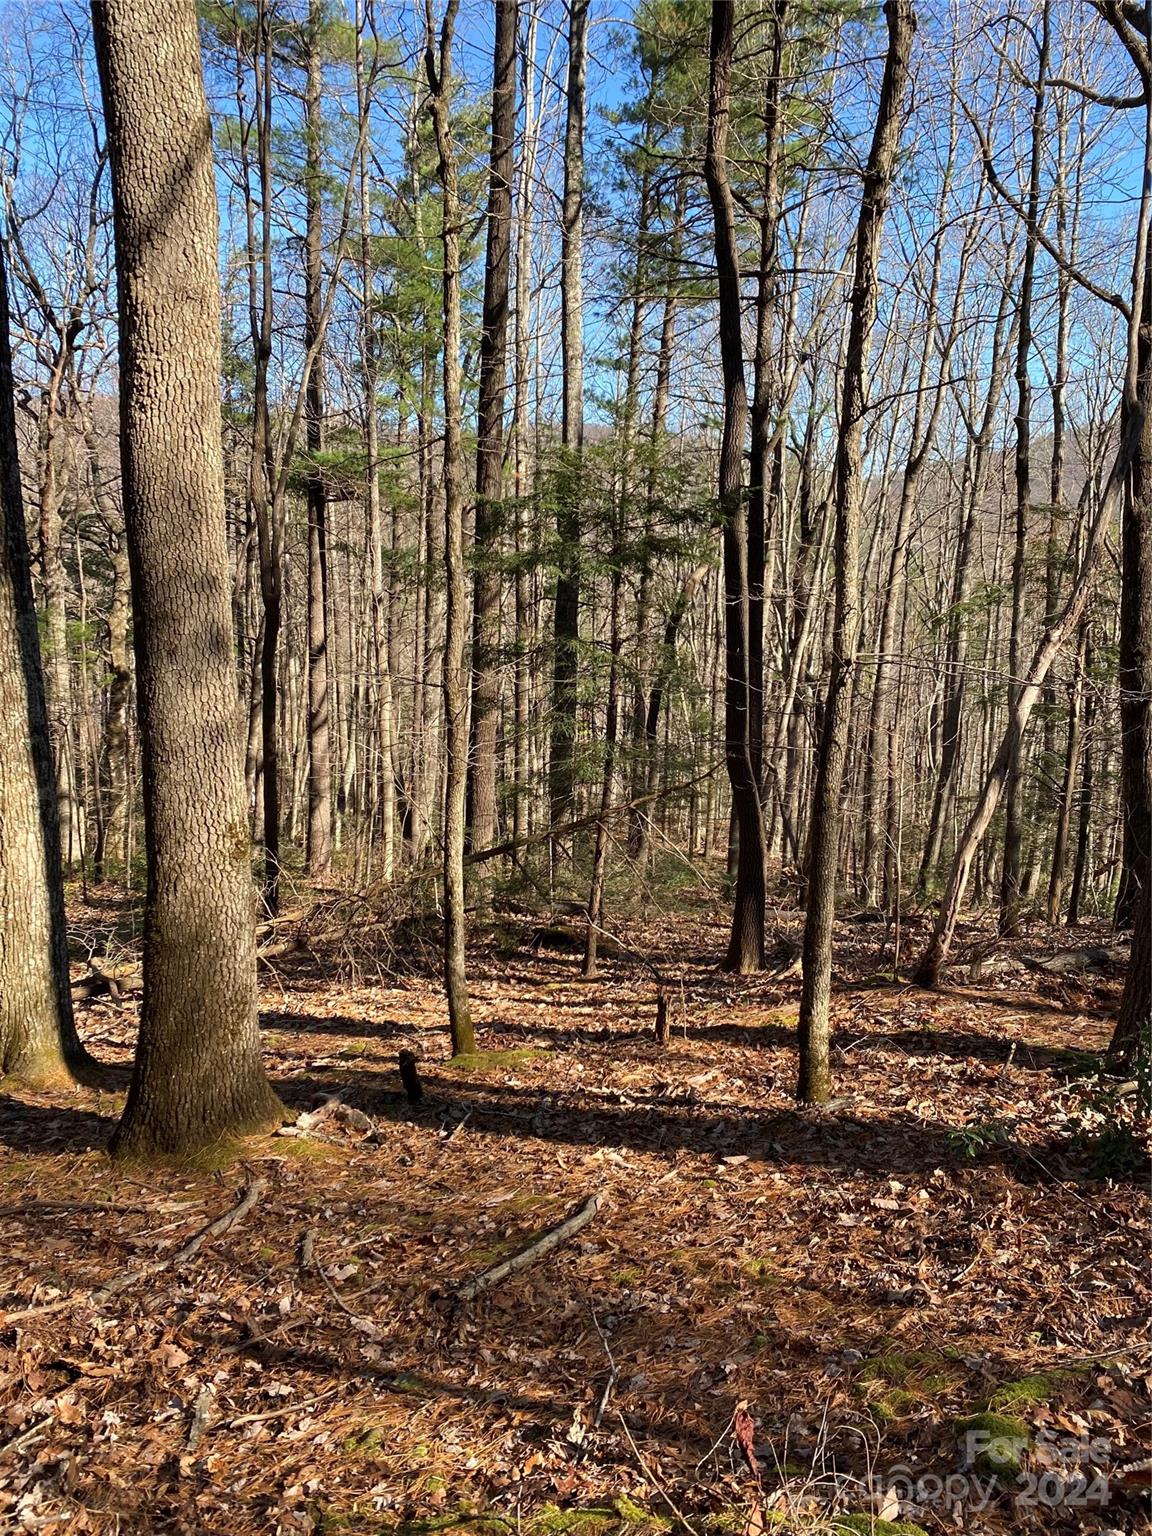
{"points": [[960, 1045], [899, 1143], [31, 1127]]}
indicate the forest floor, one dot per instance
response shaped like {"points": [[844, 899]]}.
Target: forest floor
{"points": [[928, 1302]]}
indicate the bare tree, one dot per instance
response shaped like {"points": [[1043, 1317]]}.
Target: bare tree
{"points": [[566, 617], [815, 1083], [319, 706], [742, 688], [38, 1040], [490, 432], [438, 68]]}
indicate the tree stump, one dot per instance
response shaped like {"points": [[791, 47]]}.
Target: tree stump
{"points": [[663, 1018], [410, 1077]]}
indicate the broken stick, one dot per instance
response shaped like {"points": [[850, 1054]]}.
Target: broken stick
{"points": [[248, 1198], [221, 1225], [551, 1240]]}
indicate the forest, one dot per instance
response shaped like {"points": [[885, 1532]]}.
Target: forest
{"points": [[576, 767]]}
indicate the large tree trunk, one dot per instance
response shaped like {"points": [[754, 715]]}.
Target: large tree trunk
{"points": [[113, 756], [266, 509], [767, 369], [1136, 631], [1133, 1030], [646, 710], [607, 777], [438, 66], [814, 1085], [566, 613], [1134, 1025], [38, 1039], [381, 690], [746, 942], [1010, 892], [198, 1074], [114, 753], [525, 183], [54, 584], [490, 434], [319, 717]]}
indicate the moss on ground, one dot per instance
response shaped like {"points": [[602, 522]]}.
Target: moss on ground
{"points": [[898, 1382], [623, 1517], [493, 1061], [734, 1522], [1031, 1390], [760, 1270], [363, 1443], [412, 1384], [997, 1443], [306, 1149], [871, 1525], [626, 1276]]}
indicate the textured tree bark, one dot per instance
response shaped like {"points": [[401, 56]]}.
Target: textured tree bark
{"points": [[490, 435], [1084, 799], [1136, 632], [113, 758], [525, 183], [1134, 1022], [646, 710], [1010, 893], [566, 613], [746, 942], [38, 1041], [438, 67], [266, 511], [382, 683], [815, 1081], [114, 754], [526, 180], [198, 1074], [55, 588], [1068, 789], [319, 720], [607, 780]]}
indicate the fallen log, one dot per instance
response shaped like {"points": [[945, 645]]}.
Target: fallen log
{"points": [[111, 980], [1072, 962], [217, 1228], [551, 1240]]}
